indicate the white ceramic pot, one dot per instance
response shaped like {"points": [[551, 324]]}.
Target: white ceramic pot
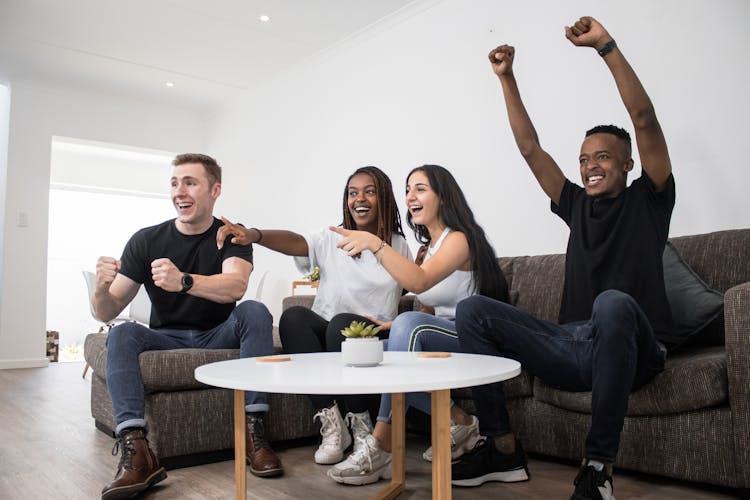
{"points": [[366, 351]]}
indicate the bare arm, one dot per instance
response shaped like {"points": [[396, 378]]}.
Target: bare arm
{"points": [[228, 286], [452, 255], [113, 291], [652, 147], [545, 169], [286, 242]]}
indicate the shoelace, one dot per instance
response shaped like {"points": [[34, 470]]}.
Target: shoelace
{"points": [[359, 424], [329, 428], [257, 434], [128, 450], [362, 452], [586, 483]]}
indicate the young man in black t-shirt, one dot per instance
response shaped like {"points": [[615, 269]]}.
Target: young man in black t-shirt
{"points": [[614, 305], [193, 287]]}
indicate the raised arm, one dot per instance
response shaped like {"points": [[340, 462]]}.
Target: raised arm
{"points": [[452, 255], [652, 147], [545, 169], [286, 242], [113, 291]]}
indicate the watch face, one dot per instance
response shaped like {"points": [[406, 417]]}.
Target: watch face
{"points": [[187, 282]]}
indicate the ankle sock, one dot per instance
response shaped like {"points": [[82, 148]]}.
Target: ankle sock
{"points": [[597, 465]]}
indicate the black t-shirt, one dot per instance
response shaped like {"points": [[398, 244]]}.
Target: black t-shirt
{"points": [[617, 243], [194, 254]]}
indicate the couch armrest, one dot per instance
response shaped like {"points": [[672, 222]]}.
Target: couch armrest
{"points": [[737, 335], [297, 300]]}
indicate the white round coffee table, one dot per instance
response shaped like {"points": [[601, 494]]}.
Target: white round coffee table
{"points": [[400, 372]]}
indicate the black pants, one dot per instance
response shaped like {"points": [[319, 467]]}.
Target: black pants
{"points": [[302, 330]]}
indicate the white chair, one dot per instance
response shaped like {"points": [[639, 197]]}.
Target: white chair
{"points": [[139, 310]]}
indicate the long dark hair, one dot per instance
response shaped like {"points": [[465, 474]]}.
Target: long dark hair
{"points": [[389, 218], [455, 212]]}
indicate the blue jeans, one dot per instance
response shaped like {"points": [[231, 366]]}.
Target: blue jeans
{"points": [[610, 355], [416, 331], [248, 327]]}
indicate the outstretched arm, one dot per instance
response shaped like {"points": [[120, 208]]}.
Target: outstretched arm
{"points": [[652, 147], [452, 255], [286, 242], [547, 172]]}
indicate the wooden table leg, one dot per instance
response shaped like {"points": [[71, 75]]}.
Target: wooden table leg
{"points": [[398, 450], [441, 445], [240, 473]]}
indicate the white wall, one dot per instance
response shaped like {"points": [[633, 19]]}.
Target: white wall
{"points": [[37, 114], [417, 88]]}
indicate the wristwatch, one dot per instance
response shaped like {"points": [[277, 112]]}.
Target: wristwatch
{"points": [[187, 282]]}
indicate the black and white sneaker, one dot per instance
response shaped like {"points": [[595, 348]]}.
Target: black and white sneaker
{"points": [[485, 463], [592, 484]]}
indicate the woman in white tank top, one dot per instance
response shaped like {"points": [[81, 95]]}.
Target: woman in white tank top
{"points": [[455, 262]]}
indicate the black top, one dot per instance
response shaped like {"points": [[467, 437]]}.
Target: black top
{"points": [[616, 243], [194, 254]]}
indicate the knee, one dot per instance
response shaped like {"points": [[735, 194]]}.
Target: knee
{"points": [[293, 316], [253, 312], [130, 333], [613, 305]]}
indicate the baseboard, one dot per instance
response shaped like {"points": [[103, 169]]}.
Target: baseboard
{"points": [[9, 364]]}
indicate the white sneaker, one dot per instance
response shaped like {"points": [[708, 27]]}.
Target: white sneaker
{"points": [[366, 465], [336, 436], [361, 426], [463, 439]]}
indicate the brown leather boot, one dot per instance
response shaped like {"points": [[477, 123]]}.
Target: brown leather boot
{"points": [[261, 458], [139, 469]]}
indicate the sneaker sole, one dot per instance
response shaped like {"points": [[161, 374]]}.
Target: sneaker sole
{"points": [[264, 473], [510, 476], [385, 473], [134, 489]]}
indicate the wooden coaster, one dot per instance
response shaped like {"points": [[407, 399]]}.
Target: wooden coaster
{"points": [[272, 359], [434, 355]]}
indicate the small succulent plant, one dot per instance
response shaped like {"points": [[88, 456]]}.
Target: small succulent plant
{"points": [[360, 329], [314, 275]]}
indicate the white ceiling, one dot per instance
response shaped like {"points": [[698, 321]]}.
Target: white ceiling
{"points": [[211, 49]]}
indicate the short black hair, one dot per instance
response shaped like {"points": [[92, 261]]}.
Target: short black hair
{"points": [[618, 132]]}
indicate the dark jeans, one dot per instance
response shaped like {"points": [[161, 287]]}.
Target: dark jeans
{"points": [[610, 355], [302, 330], [249, 327]]}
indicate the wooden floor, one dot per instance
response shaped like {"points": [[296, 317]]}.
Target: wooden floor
{"points": [[49, 448]]}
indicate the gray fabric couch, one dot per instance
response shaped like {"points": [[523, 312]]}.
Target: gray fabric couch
{"points": [[691, 422]]}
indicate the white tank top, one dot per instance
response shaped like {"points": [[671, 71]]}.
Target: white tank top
{"points": [[446, 294]]}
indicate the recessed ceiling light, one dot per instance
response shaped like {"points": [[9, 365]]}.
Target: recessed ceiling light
{"points": [[169, 84], [265, 18]]}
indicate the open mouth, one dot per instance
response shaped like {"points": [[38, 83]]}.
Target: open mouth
{"points": [[183, 206], [415, 209], [362, 211], [594, 180]]}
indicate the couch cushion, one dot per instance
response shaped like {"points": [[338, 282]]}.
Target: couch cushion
{"points": [[690, 381], [537, 284], [694, 305]]}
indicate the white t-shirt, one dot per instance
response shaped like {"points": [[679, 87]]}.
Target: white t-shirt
{"points": [[446, 294], [351, 285]]}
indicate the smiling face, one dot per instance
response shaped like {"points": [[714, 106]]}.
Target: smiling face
{"points": [[422, 201], [604, 163], [193, 197], [362, 200]]}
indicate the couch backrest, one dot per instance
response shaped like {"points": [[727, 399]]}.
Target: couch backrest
{"points": [[721, 258]]}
